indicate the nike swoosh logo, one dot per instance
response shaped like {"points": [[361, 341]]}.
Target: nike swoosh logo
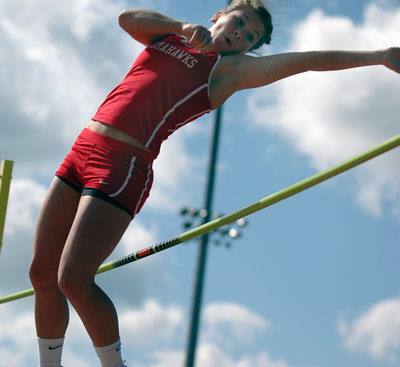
{"points": [[52, 348]]}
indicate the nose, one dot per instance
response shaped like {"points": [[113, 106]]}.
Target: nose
{"points": [[239, 34]]}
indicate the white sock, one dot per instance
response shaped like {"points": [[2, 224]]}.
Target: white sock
{"points": [[50, 351], [110, 355]]}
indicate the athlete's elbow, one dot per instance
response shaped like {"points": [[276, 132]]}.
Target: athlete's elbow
{"points": [[126, 18], [122, 18]]}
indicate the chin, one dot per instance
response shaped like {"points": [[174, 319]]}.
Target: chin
{"points": [[229, 53], [222, 49]]}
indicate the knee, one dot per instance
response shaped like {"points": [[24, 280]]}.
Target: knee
{"points": [[42, 277], [72, 284]]}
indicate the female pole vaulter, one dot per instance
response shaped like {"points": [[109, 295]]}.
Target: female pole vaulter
{"points": [[185, 71]]}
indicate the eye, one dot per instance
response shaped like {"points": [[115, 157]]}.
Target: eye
{"points": [[239, 21], [250, 37]]}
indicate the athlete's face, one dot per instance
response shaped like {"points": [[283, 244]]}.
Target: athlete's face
{"points": [[237, 31]]}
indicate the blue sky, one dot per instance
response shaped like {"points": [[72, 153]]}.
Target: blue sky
{"points": [[313, 282]]}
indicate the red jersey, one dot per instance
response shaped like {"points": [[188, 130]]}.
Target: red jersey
{"points": [[166, 87]]}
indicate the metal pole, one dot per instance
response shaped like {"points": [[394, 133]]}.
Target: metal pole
{"points": [[202, 249]]}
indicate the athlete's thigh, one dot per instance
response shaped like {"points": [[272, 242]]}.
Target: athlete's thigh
{"points": [[53, 226], [97, 228]]}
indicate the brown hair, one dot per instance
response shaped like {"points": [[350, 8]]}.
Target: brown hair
{"points": [[263, 13]]}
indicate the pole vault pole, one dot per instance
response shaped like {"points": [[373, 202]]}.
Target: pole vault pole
{"points": [[230, 218]]}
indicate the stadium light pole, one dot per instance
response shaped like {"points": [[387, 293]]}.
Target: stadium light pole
{"points": [[202, 249]]}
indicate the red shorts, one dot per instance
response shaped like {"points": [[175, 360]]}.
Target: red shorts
{"points": [[108, 169]]}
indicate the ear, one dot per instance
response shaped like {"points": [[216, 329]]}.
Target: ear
{"points": [[216, 16]]}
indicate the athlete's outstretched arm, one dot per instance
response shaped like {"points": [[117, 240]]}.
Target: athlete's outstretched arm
{"points": [[146, 26], [251, 72]]}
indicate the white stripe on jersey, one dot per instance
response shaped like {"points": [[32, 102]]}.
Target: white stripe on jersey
{"points": [[176, 105]]}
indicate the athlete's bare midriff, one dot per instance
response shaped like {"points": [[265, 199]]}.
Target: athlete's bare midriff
{"points": [[112, 132]]}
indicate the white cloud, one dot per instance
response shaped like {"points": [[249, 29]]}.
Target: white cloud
{"points": [[376, 332], [221, 320], [25, 199], [210, 355], [165, 358], [262, 359], [241, 324], [151, 324], [332, 116], [152, 336], [16, 333]]}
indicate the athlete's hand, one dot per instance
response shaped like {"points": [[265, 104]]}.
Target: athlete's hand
{"points": [[198, 36], [391, 58]]}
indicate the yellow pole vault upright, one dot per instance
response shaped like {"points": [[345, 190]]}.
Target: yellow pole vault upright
{"points": [[252, 208], [5, 181]]}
